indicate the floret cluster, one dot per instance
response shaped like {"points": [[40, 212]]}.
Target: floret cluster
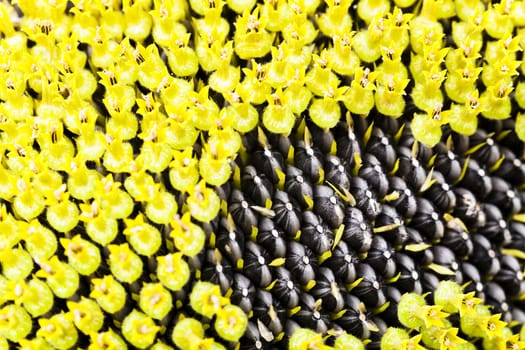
{"points": [[213, 174]]}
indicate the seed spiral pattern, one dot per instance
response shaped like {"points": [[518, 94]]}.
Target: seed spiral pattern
{"points": [[242, 174]]}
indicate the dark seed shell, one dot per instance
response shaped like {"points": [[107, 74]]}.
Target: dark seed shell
{"points": [[256, 260], [495, 228], [410, 169], [468, 209], [372, 172], [329, 206], [397, 234], [336, 174], [257, 186], [504, 196], [328, 289], [311, 317], [310, 160], [510, 276], [243, 292], [370, 289], [441, 194], [449, 165], [301, 262], [230, 241], [287, 214], [269, 312], [485, 256], [357, 232], [272, 238], [427, 220], [471, 273], [409, 280], [354, 320], [244, 216], [217, 269], [269, 162], [476, 180], [366, 199], [315, 234], [285, 288], [298, 186], [405, 204], [381, 147], [343, 262], [457, 239], [381, 257]]}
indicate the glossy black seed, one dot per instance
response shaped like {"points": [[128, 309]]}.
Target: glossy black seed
{"points": [[391, 226], [269, 313], [495, 296], [504, 196], [372, 172], [380, 257], [365, 197], [405, 203], [476, 180], [244, 216], [457, 239], [495, 228], [243, 292], [301, 262], [430, 280], [484, 148], [315, 234], [471, 273], [282, 144], [230, 241], [410, 169], [287, 213], [370, 289], [343, 262], [468, 209], [257, 186], [217, 269], [269, 162], [485, 256], [393, 295], [445, 257], [311, 314], [381, 147], [285, 288], [252, 338], [298, 186], [322, 138], [406, 143], [329, 206], [449, 165], [511, 169], [441, 194], [347, 145], [460, 143], [409, 280], [417, 247], [256, 260], [328, 290], [310, 160], [427, 220], [510, 276], [357, 232], [272, 238], [517, 232], [336, 174], [355, 319]]}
